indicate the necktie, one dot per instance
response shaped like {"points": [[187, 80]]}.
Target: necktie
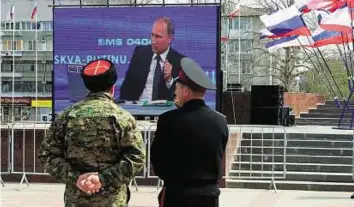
{"points": [[157, 78]]}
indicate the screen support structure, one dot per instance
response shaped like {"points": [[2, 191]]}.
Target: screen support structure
{"points": [[134, 3]]}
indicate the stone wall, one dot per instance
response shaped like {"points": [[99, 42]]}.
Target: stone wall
{"points": [[302, 102]]}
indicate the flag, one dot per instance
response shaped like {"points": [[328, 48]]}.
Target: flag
{"points": [[266, 33], [235, 13], [351, 8], [330, 5], [292, 41], [340, 21], [11, 13], [323, 37], [34, 12], [224, 39], [286, 22]]}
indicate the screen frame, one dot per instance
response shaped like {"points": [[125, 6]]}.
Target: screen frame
{"points": [[218, 72]]}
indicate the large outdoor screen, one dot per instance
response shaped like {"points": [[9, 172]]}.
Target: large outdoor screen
{"points": [[131, 38]]}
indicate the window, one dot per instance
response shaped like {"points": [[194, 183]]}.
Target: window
{"points": [[23, 25], [6, 86], [48, 67], [246, 67], [46, 26], [32, 45], [49, 45], [48, 87], [7, 45], [246, 23], [28, 26], [17, 25], [9, 26], [33, 26], [42, 45], [28, 67], [7, 67], [224, 27], [246, 46], [18, 45]]}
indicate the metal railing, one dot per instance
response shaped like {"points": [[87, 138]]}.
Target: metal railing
{"points": [[150, 171], [353, 157], [24, 139], [24, 159], [141, 174], [5, 139], [253, 152], [257, 153]]}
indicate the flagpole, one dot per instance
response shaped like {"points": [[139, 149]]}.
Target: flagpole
{"points": [[13, 65], [239, 45], [270, 70], [1, 111], [1, 48], [36, 110]]}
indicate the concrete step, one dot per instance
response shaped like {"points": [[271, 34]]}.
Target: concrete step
{"points": [[296, 151], [320, 143], [345, 125], [345, 160], [326, 110], [297, 143], [293, 175], [320, 121], [291, 185], [324, 115], [298, 136], [326, 106], [296, 167], [332, 102]]}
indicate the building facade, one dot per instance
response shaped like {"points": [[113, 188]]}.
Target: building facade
{"points": [[243, 54], [26, 61]]}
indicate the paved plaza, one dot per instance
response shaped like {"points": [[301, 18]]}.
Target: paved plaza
{"points": [[50, 195]]}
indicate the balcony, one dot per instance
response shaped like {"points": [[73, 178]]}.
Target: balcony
{"points": [[26, 94], [11, 32], [10, 74], [11, 53]]}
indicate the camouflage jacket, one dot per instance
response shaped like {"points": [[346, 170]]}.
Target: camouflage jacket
{"points": [[94, 135]]}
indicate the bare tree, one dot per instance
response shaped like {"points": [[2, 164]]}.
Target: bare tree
{"points": [[287, 64]]}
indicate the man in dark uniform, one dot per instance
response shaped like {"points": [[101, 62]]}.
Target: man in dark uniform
{"points": [[189, 144]]}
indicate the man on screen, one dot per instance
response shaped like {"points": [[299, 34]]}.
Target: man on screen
{"points": [[153, 67]]}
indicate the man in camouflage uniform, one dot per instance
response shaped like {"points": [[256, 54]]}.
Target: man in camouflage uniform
{"points": [[94, 146]]}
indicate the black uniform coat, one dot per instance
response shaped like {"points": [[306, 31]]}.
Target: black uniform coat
{"points": [[187, 153]]}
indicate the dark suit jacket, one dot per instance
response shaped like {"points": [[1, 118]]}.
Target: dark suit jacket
{"points": [[139, 68], [188, 147]]}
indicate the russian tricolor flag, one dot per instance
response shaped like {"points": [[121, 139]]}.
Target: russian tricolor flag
{"points": [[265, 33], [323, 37], [292, 41], [330, 5], [340, 21], [11, 13], [34, 12], [286, 22]]}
